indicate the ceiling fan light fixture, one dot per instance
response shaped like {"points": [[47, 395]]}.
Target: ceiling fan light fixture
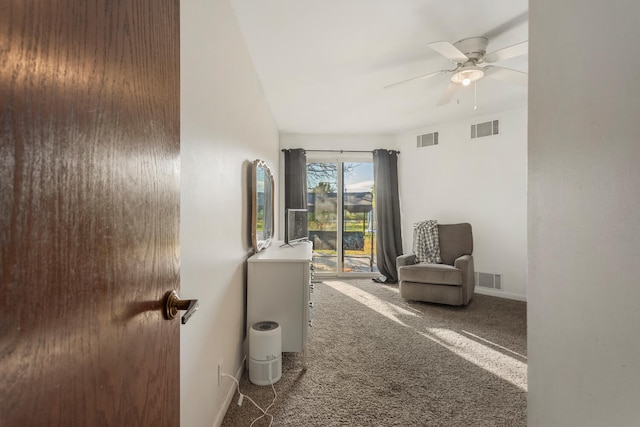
{"points": [[466, 75]]}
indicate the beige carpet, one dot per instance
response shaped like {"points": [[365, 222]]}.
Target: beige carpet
{"points": [[378, 360]]}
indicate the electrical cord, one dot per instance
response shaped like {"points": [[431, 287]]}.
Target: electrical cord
{"points": [[242, 396]]}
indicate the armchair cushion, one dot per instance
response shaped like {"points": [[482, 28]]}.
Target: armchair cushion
{"points": [[441, 274], [455, 240]]}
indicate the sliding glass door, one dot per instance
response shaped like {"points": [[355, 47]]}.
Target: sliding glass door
{"points": [[322, 205], [341, 216]]}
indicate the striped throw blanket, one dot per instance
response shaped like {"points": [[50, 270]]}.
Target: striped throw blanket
{"points": [[426, 242]]}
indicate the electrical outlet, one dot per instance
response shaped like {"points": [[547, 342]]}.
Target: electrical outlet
{"points": [[219, 372]]}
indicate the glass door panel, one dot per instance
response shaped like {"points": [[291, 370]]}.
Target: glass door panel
{"points": [[358, 230], [322, 204]]}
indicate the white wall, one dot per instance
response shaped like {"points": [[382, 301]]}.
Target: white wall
{"points": [[225, 124], [479, 181], [584, 214]]}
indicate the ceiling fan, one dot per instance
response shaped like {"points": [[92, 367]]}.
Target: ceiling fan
{"points": [[467, 54]]}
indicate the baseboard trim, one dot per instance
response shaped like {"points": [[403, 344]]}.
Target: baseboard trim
{"points": [[500, 294], [229, 397]]}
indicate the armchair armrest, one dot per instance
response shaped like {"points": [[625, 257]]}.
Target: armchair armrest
{"points": [[465, 264], [407, 259], [402, 260]]}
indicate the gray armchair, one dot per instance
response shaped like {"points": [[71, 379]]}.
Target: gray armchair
{"points": [[451, 282]]}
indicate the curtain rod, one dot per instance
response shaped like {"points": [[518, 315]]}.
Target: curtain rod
{"points": [[341, 151]]}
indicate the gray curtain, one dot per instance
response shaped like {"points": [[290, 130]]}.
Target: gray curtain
{"points": [[295, 179], [389, 238]]}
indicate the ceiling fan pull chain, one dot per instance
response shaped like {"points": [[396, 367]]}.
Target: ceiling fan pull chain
{"points": [[475, 95]]}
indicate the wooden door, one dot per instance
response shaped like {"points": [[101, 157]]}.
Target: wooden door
{"points": [[89, 212]]}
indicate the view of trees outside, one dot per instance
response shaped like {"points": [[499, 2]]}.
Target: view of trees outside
{"points": [[358, 234]]}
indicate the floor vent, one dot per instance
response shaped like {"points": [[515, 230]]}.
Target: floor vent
{"points": [[489, 280], [481, 130], [427, 139]]}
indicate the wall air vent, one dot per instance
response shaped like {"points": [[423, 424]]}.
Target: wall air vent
{"points": [[489, 280], [481, 130], [427, 139]]}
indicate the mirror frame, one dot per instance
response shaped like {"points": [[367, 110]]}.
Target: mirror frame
{"points": [[261, 240]]}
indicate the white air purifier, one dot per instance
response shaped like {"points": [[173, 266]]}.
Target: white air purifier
{"points": [[265, 353]]}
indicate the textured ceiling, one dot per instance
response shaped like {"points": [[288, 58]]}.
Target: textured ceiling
{"points": [[324, 64]]}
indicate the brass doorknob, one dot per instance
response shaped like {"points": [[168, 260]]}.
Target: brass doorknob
{"points": [[173, 304]]}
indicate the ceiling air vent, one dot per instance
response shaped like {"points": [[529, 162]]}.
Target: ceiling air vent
{"points": [[428, 139], [481, 130]]}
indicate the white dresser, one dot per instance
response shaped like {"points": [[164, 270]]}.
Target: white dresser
{"points": [[279, 289]]}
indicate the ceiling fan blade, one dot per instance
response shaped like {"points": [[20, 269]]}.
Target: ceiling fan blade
{"points": [[507, 75], [448, 94], [450, 51], [425, 76], [519, 49], [512, 23]]}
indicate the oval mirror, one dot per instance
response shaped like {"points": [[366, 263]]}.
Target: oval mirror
{"points": [[261, 205]]}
